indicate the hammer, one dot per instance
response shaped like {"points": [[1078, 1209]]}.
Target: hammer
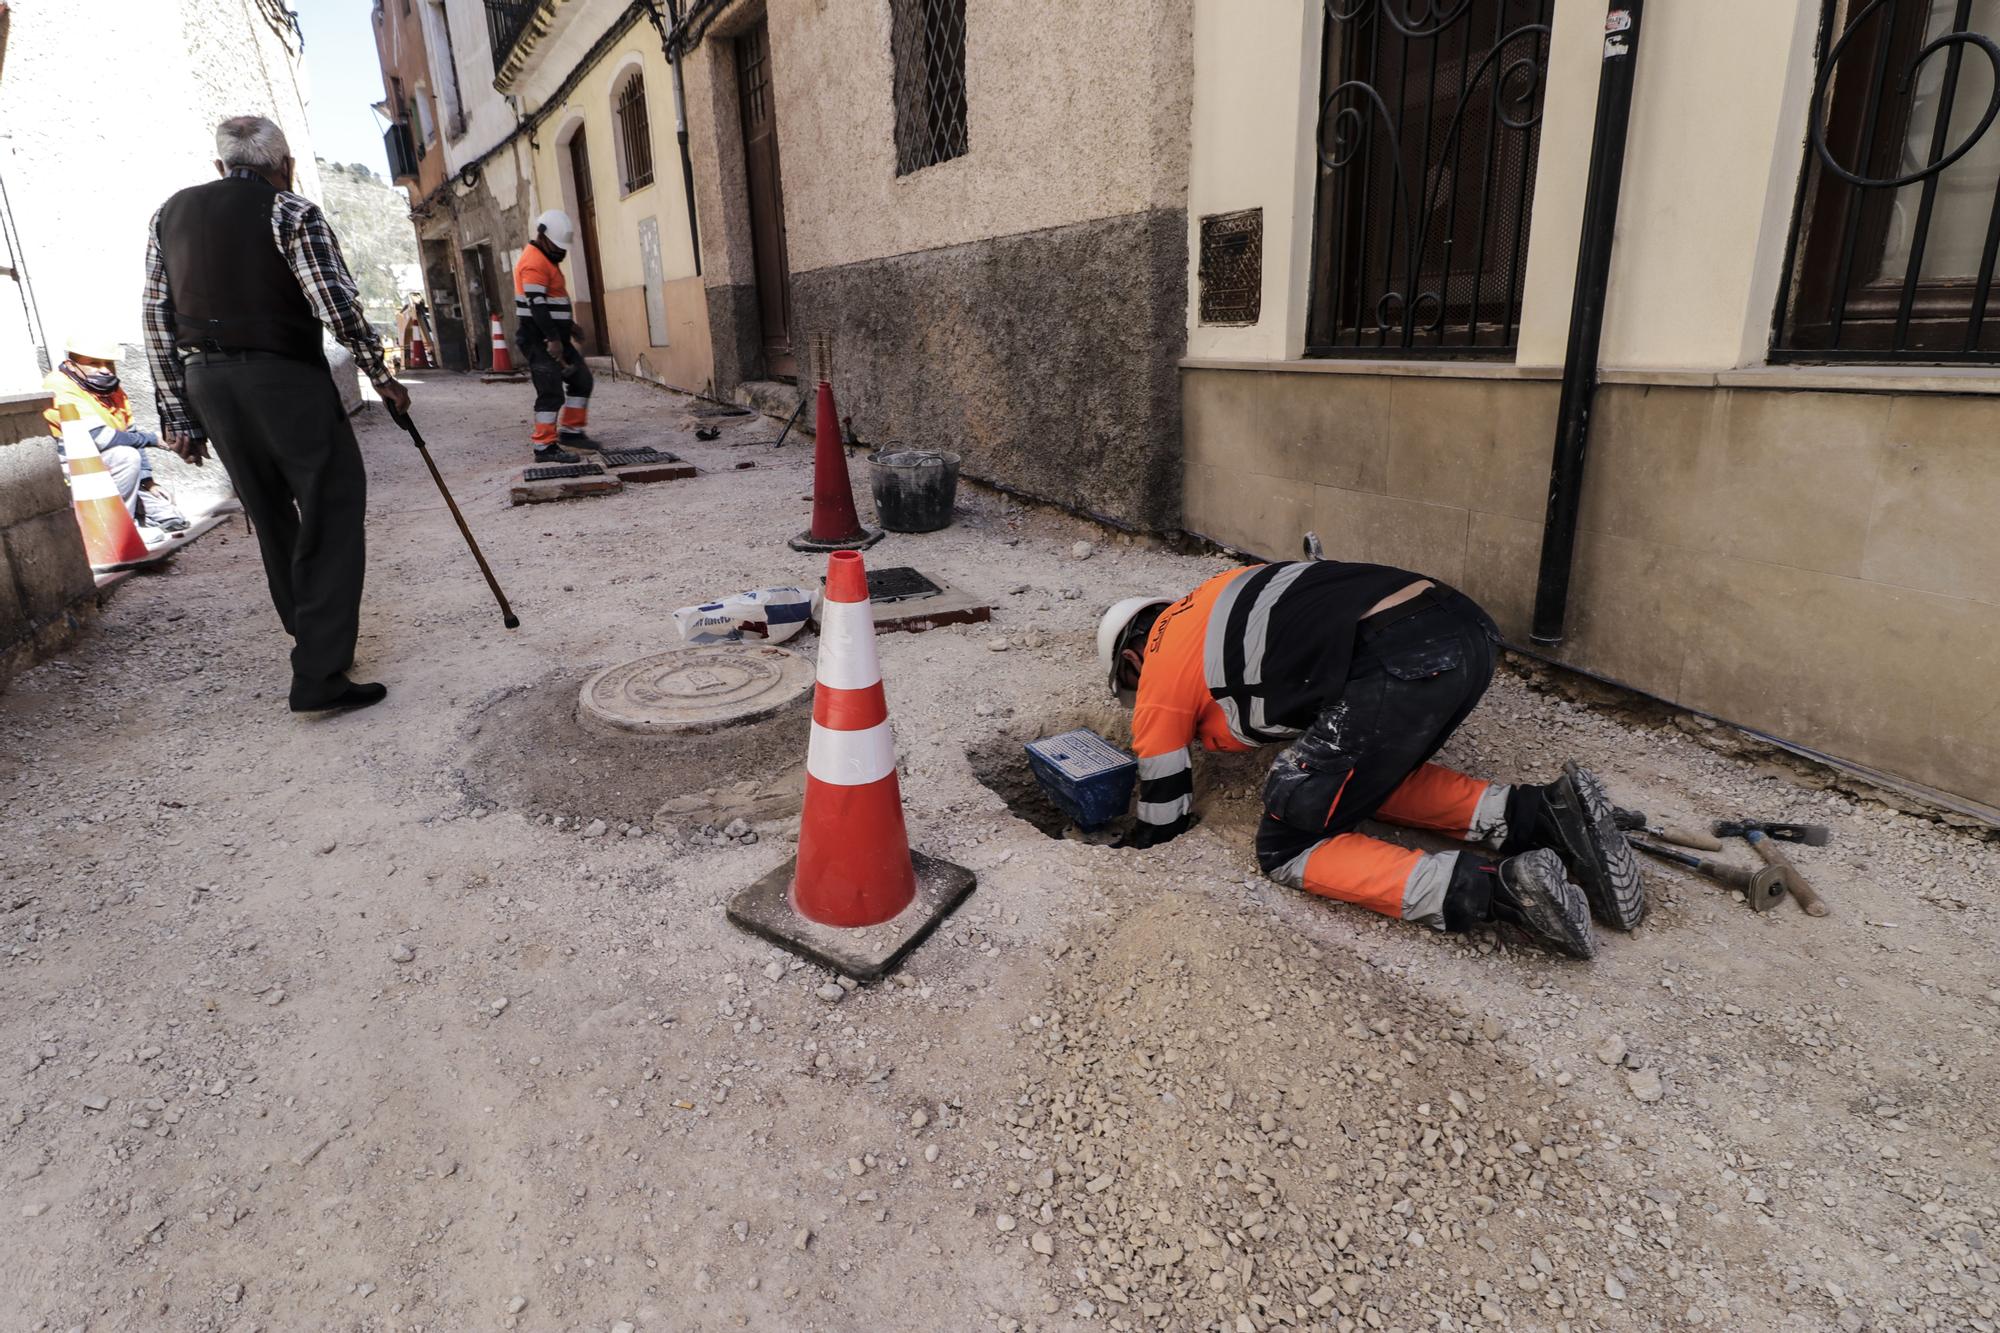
{"points": [[1764, 836], [1764, 888], [1636, 821]]}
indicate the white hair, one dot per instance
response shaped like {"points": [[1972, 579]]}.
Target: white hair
{"points": [[251, 141]]}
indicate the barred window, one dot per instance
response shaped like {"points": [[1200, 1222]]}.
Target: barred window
{"points": [[635, 137], [927, 46]]}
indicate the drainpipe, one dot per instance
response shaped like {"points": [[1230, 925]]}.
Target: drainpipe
{"points": [[1586, 320], [680, 116]]}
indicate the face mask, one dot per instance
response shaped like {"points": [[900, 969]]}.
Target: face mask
{"points": [[556, 253], [97, 381]]}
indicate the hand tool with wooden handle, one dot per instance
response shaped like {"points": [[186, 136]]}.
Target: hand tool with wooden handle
{"points": [[1773, 855], [1764, 888], [1636, 821], [1807, 835]]}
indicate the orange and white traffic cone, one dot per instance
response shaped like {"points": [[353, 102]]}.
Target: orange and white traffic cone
{"points": [[110, 538], [835, 525], [855, 898], [419, 360], [503, 360]]}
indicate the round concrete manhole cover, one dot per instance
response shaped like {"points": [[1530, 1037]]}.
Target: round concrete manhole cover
{"points": [[696, 689]]}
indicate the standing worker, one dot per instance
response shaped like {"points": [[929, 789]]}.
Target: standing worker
{"points": [[240, 274], [1365, 670], [546, 336]]}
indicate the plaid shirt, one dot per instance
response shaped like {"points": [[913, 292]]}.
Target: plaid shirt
{"points": [[304, 236]]}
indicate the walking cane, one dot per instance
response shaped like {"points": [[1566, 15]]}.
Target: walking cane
{"points": [[507, 616]]}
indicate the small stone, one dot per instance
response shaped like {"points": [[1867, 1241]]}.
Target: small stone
{"points": [[998, 645], [736, 828], [930, 1152], [1614, 1288], [233, 1293], [1645, 1084], [596, 828], [774, 971], [518, 1304], [1612, 1049], [919, 1118], [274, 996], [855, 1167], [96, 1102], [402, 953], [831, 993], [627, 1326], [499, 1004], [1042, 1243], [1082, 551], [1003, 1222], [33, 1209], [802, 1239]]}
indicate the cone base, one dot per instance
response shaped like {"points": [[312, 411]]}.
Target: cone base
{"points": [[861, 541], [865, 953], [504, 377]]}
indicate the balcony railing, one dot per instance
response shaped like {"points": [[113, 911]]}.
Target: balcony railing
{"points": [[505, 21], [401, 151]]}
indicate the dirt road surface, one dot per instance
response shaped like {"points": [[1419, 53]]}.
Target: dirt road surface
{"points": [[428, 1018]]}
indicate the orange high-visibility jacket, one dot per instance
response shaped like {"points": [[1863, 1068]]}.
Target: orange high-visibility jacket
{"points": [[541, 297], [107, 415], [1247, 659]]}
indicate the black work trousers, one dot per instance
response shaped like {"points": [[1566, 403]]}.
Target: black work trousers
{"points": [[1419, 670], [562, 389], [281, 431]]}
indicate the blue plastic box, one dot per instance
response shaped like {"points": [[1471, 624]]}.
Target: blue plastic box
{"points": [[1086, 775]]}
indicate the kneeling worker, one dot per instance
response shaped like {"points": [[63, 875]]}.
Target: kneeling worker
{"points": [[1363, 672]]}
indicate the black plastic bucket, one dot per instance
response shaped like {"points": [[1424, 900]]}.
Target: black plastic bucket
{"points": [[914, 488]]}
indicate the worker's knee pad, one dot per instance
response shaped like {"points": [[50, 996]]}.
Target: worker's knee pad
{"points": [[1306, 778]]}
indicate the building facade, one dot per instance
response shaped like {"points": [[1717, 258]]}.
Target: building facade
{"points": [[980, 207], [1785, 508]]}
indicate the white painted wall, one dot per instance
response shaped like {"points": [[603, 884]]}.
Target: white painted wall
{"points": [[1716, 144], [488, 116]]}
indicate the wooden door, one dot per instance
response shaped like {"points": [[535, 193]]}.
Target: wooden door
{"points": [[586, 234], [767, 199]]}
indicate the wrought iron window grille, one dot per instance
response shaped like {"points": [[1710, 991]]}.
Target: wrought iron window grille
{"points": [[1897, 224], [927, 49], [635, 136], [1232, 267], [1429, 127]]}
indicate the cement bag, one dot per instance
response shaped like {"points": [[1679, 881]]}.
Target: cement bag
{"points": [[775, 614]]}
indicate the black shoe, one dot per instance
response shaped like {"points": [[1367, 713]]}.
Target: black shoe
{"points": [[1532, 892], [576, 439], [1573, 817], [550, 453], [340, 692]]}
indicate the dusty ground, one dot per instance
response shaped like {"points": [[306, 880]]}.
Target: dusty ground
{"points": [[258, 1073]]}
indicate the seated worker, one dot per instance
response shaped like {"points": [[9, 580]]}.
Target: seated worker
{"points": [[1363, 671], [87, 379]]}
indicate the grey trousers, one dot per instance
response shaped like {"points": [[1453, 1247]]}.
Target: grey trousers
{"points": [[285, 439]]}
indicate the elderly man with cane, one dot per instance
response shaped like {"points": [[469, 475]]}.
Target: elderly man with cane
{"points": [[240, 275]]}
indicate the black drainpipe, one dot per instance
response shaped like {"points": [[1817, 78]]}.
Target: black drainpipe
{"points": [[1586, 320], [669, 40]]}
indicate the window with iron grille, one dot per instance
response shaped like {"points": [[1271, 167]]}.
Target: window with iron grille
{"points": [[1898, 223], [927, 46], [635, 137], [1232, 267], [1429, 125]]}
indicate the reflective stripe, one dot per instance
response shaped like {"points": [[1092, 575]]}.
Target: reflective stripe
{"points": [[1257, 633], [1292, 874], [102, 436], [851, 758], [1164, 812], [1162, 765], [574, 401], [847, 646], [1213, 656], [545, 418], [1489, 817], [1424, 890], [98, 485], [534, 288]]}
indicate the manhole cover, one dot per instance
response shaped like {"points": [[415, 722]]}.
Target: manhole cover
{"points": [[899, 583], [634, 457], [696, 689]]}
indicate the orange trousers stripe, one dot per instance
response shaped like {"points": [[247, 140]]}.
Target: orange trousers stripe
{"points": [[1434, 797], [1365, 871]]}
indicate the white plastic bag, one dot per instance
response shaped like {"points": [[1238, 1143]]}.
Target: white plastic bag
{"points": [[774, 614]]}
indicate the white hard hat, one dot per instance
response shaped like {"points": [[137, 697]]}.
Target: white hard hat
{"points": [[557, 224], [96, 346], [1111, 631]]}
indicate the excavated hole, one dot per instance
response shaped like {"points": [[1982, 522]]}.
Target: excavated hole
{"points": [[525, 750]]}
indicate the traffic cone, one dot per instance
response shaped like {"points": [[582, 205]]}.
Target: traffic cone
{"points": [[855, 898], [418, 359], [835, 525], [503, 360], [110, 538]]}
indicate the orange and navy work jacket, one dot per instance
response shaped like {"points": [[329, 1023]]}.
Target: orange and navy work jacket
{"points": [[1247, 659], [541, 297], [108, 416]]}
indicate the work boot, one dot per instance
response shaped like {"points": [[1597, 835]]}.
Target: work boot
{"points": [[1530, 891], [576, 439], [1573, 818], [553, 453], [340, 692]]}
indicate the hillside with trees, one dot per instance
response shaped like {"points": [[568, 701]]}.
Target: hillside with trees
{"points": [[373, 219]]}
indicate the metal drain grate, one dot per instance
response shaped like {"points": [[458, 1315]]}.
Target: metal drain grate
{"points": [[633, 457], [899, 583], [562, 472]]}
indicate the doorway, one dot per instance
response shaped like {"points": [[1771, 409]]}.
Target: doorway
{"points": [[586, 231], [481, 303], [767, 199]]}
